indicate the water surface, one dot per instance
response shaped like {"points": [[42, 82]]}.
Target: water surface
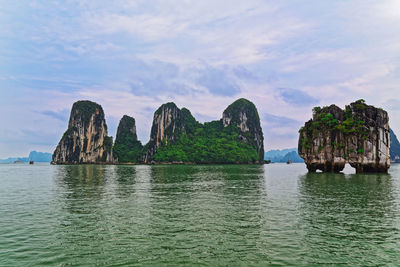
{"points": [[227, 215]]}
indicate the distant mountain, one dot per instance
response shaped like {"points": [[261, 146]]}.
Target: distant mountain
{"points": [[40, 156], [278, 153], [394, 147], [283, 155], [33, 155], [11, 160], [292, 156]]}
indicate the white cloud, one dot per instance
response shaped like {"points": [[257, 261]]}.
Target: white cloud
{"points": [[132, 56]]}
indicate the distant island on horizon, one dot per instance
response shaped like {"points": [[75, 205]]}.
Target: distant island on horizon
{"points": [[283, 156], [275, 155], [33, 155]]}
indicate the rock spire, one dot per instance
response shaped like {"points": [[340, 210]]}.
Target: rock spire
{"points": [[86, 139]]}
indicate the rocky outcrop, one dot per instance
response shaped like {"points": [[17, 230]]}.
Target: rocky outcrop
{"points": [[244, 115], [168, 123], [126, 126], [127, 148], [86, 139], [358, 135], [176, 136]]}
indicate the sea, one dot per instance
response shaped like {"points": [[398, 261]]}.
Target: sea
{"points": [[197, 215]]}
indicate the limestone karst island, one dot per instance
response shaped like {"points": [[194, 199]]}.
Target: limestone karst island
{"points": [[358, 135], [176, 137]]}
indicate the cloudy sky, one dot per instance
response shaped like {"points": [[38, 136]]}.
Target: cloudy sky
{"points": [[132, 56]]}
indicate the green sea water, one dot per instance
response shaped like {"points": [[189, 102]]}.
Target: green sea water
{"points": [[226, 215]]}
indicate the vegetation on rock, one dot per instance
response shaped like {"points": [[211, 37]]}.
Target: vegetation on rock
{"points": [[108, 145], [207, 143], [347, 123], [176, 136], [85, 109], [236, 140], [127, 147], [85, 140], [358, 135]]}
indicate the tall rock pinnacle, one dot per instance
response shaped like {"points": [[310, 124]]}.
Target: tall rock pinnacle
{"points": [[85, 140], [244, 115]]}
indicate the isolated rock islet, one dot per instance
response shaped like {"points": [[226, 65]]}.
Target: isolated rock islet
{"points": [[358, 135]]}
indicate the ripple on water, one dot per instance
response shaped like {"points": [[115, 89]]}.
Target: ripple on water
{"points": [[275, 214]]}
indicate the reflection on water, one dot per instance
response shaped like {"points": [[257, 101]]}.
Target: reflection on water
{"points": [[354, 214], [196, 215], [185, 213], [81, 182]]}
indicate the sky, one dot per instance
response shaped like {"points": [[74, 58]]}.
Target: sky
{"points": [[132, 56]]}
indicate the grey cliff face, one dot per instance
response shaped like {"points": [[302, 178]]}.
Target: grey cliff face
{"points": [[85, 140], [358, 135], [166, 123], [244, 115]]}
